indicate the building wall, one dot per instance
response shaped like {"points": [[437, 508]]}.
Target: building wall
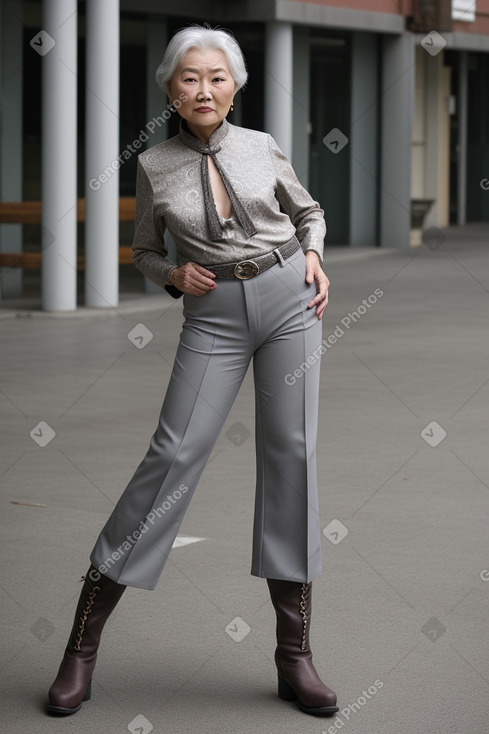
{"points": [[405, 7], [376, 6]]}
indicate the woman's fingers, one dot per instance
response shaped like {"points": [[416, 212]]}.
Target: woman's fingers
{"points": [[315, 273], [193, 279]]}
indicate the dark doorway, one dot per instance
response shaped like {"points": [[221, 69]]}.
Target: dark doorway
{"points": [[329, 178]]}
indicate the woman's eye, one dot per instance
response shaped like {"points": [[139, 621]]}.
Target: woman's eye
{"points": [[189, 79], [219, 79]]}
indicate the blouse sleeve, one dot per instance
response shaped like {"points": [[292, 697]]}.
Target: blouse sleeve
{"points": [[305, 214], [149, 248]]}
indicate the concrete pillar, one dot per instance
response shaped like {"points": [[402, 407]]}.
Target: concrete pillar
{"points": [[279, 84], [156, 100], [102, 150], [437, 158], [462, 112], [396, 121], [418, 154], [59, 145], [363, 141], [301, 116], [11, 45]]}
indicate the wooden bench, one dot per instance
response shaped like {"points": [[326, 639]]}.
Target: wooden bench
{"points": [[30, 212]]}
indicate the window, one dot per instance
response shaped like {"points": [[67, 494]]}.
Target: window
{"points": [[464, 10]]}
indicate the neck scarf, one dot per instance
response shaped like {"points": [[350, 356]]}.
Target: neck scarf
{"points": [[211, 148]]}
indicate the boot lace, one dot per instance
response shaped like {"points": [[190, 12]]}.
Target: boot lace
{"points": [[83, 618], [304, 609]]}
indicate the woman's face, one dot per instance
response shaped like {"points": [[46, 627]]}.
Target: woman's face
{"points": [[206, 80]]}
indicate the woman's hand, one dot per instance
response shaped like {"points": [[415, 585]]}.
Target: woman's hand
{"points": [[193, 279], [314, 272]]}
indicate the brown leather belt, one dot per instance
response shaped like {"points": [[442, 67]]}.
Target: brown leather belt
{"points": [[246, 269]]}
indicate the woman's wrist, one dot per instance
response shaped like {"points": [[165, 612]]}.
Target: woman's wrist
{"points": [[170, 274], [316, 253]]}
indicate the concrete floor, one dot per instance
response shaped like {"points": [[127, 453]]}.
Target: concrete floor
{"points": [[400, 627]]}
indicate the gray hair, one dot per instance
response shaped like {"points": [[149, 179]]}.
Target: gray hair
{"points": [[202, 38]]}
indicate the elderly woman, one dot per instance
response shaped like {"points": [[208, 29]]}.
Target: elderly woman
{"points": [[250, 242]]}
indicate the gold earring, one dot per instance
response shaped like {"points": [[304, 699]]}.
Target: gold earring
{"points": [[231, 109]]}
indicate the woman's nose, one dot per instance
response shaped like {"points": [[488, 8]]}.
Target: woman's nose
{"points": [[204, 90]]}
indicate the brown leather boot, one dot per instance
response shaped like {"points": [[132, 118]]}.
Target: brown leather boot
{"points": [[73, 683], [297, 677]]}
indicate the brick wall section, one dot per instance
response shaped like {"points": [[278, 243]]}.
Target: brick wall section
{"points": [[481, 24], [404, 7], [395, 7]]}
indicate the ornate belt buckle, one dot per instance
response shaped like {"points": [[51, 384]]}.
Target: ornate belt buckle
{"points": [[246, 269]]}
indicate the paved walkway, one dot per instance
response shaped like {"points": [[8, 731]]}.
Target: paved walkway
{"points": [[400, 612]]}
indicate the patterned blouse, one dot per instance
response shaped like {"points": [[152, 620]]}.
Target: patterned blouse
{"points": [[269, 204]]}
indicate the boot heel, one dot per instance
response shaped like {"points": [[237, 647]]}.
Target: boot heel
{"points": [[88, 692], [285, 692]]}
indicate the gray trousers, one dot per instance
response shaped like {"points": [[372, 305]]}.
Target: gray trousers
{"points": [[265, 319]]}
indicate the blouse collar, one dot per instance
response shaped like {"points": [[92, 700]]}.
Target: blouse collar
{"points": [[215, 138]]}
